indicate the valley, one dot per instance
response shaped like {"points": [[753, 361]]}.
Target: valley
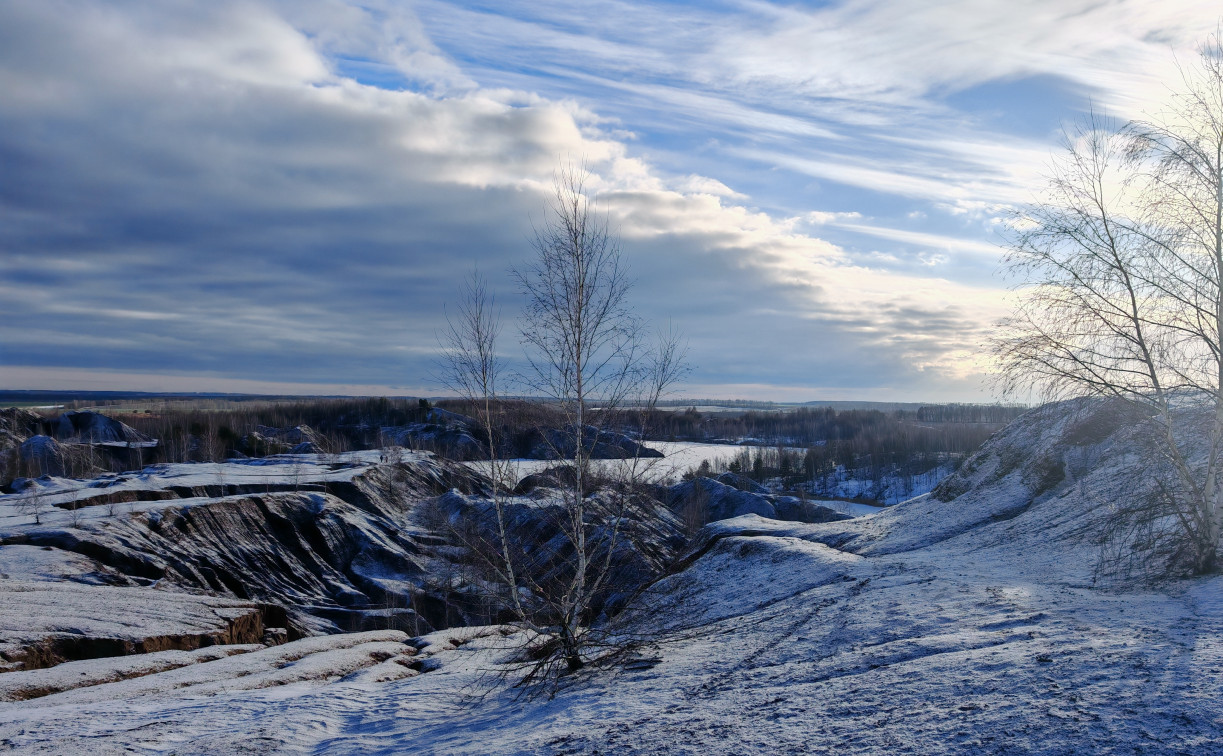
{"points": [[977, 617]]}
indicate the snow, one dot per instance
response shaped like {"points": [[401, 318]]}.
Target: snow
{"points": [[226, 669], [20, 686], [34, 613], [851, 508], [678, 458], [35, 563], [820, 652], [971, 625], [247, 474]]}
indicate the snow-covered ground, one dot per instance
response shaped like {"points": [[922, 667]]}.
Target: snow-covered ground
{"points": [[678, 457], [768, 644], [252, 475], [851, 508], [973, 625], [887, 489]]}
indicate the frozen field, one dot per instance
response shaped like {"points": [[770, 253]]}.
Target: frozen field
{"points": [[680, 456]]}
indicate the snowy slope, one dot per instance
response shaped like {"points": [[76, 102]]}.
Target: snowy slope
{"points": [[324, 543], [860, 655], [44, 623], [329, 537], [965, 625]]}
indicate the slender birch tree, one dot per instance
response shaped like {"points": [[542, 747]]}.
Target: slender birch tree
{"points": [[586, 357], [1119, 268], [472, 369]]}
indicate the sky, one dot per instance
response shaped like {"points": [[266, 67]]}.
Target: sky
{"points": [[285, 197]]}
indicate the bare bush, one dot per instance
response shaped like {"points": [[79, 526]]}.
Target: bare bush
{"points": [[33, 502]]}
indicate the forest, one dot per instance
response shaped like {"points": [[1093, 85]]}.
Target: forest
{"points": [[794, 447], [807, 445]]}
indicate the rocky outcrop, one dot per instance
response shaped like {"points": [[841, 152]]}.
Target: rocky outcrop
{"points": [[341, 555], [560, 476], [599, 443], [717, 501], [460, 437], [266, 440], [453, 440], [741, 482], [359, 546], [255, 444], [86, 427], [21, 423], [16, 425]]}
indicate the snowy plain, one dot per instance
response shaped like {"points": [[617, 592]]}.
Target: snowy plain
{"points": [[678, 458]]}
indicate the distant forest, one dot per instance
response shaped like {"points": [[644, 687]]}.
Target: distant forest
{"points": [[792, 443], [807, 443]]}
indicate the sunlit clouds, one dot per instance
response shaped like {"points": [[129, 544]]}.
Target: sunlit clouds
{"points": [[286, 195]]}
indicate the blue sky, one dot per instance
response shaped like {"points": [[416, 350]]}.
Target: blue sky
{"points": [[283, 196]]}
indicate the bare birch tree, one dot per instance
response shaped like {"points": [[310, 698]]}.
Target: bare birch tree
{"points": [[1120, 268], [472, 369], [33, 502], [586, 357], [583, 348]]}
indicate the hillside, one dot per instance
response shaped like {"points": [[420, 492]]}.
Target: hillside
{"points": [[975, 619]]}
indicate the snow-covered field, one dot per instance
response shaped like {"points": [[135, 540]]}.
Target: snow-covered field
{"points": [[974, 625], [679, 457]]}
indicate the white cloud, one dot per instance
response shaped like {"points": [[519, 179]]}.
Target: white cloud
{"points": [[923, 239], [694, 184], [900, 53], [821, 217], [853, 93], [218, 164]]}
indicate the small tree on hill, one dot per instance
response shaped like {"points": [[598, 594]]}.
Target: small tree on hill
{"points": [[587, 357], [33, 502], [585, 354]]}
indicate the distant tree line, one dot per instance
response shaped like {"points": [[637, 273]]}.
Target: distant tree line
{"points": [[802, 444], [940, 428], [805, 446]]}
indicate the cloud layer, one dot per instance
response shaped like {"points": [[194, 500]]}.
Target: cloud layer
{"points": [[289, 193]]}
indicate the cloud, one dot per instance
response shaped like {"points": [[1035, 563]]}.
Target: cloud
{"points": [[694, 184], [95, 379], [864, 94], [921, 239], [820, 217], [288, 193]]}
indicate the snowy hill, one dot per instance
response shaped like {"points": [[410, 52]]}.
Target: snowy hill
{"points": [[969, 620], [335, 543], [329, 538]]}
